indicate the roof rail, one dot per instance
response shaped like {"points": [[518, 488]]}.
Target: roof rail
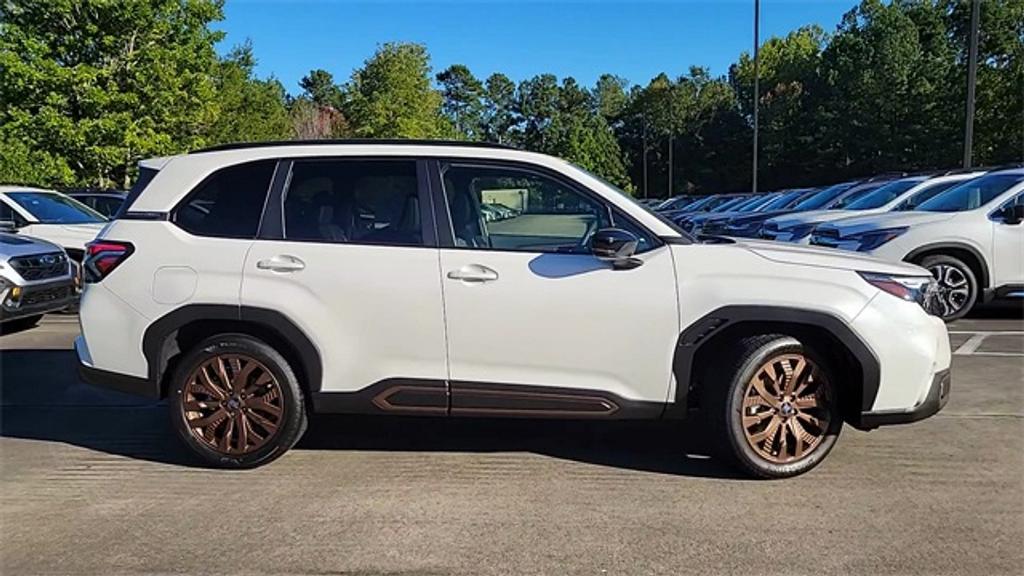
{"points": [[350, 141]]}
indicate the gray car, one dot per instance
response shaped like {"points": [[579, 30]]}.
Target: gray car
{"points": [[36, 277]]}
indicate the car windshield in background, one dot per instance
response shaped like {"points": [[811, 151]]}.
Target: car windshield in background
{"points": [[880, 196], [919, 197], [751, 204], [50, 208], [971, 194], [823, 197], [781, 202], [728, 204], [647, 208]]}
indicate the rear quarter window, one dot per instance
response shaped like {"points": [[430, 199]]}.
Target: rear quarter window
{"points": [[229, 203]]}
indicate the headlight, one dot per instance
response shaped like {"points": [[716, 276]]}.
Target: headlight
{"points": [[910, 288], [868, 241]]}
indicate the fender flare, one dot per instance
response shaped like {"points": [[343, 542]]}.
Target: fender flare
{"points": [[983, 282], [699, 333], [158, 347]]}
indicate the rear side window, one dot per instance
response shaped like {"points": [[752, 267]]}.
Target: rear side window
{"points": [[354, 201], [229, 203]]}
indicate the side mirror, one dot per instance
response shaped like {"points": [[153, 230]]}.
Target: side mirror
{"points": [[1013, 214], [8, 226], [616, 246]]}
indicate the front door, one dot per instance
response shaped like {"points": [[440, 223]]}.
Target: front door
{"points": [[536, 325], [1007, 249]]}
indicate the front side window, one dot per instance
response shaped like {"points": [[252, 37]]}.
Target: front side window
{"points": [[53, 208], [354, 201], [972, 194], [512, 209], [229, 203]]}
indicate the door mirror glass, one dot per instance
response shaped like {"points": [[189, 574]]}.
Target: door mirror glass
{"points": [[615, 245], [1013, 214]]}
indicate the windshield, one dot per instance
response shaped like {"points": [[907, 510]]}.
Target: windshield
{"points": [[729, 204], [53, 208], [972, 194], [783, 201], [926, 193], [822, 197], [880, 196]]}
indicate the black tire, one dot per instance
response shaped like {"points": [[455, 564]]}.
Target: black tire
{"points": [[289, 402], [19, 325], [953, 303], [728, 387]]}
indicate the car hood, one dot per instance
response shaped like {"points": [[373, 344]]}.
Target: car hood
{"points": [[829, 258], [758, 216], [816, 217], [13, 245], [870, 222]]}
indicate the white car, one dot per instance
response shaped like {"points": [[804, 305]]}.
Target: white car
{"points": [[970, 237], [901, 194], [252, 284], [49, 215]]}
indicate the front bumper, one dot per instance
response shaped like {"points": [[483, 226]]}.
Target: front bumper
{"points": [[33, 299], [938, 395]]}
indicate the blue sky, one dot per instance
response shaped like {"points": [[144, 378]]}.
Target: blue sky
{"points": [[583, 39]]}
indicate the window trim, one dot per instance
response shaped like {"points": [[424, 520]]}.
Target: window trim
{"points": [[172, 215], [443, 214], [272, 223]]}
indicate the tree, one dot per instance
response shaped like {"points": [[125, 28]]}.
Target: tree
{"points": [[499, 113], [249, 109], [391, 96], [610, 97], [462, 95], [319, 87], [99, 85]]}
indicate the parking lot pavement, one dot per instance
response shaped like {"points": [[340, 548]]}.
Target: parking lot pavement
{"points": [[91, 482]]}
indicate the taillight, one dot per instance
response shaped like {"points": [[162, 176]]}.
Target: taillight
{"points": [[102, 256]]}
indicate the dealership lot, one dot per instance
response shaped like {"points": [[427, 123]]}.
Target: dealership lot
{"points": [[92, 482]]}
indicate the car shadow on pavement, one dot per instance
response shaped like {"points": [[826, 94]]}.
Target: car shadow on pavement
{"points": [[41, 398]]}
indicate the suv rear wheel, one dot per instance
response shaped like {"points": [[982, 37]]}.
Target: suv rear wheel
{"points": [[236, 403], [775, 409]]}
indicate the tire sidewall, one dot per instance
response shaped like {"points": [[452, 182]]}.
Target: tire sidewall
{"points": [[293, 418], [747, 456], [972, 281]]}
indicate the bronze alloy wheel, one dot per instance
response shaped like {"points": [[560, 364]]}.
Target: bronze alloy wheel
{"points": [[233, 404], [786, 408]]}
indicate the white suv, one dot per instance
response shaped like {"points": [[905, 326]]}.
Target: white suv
{"points": [[252, 284], [970, 237]]}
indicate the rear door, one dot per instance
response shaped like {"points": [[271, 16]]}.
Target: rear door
{"points": [[536, 324], [347, 251]]}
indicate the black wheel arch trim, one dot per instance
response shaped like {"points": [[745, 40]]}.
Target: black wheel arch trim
{"points": [[158, 346], [983, 282], [699, 333]]}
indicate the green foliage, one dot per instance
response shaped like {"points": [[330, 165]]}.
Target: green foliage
{"points": [[248, 109], [319, 87], [463, 100], [391, 96]]}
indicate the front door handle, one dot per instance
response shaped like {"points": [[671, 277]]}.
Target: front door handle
{"points": [[281, 263], [473, 273]]}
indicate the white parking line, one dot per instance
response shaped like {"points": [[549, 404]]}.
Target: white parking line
{"points": [[970, 347]]}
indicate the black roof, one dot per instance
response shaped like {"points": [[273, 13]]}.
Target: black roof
{"points": [[352, 141]]}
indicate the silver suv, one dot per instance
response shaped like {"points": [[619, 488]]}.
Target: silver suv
{"points": [[36, 277]]}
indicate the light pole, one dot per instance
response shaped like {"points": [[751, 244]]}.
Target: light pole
{"points": [[757, 87], [972, 80]]}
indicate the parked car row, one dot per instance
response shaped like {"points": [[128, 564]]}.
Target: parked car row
{"points": [[964, 226], [493, 212]]}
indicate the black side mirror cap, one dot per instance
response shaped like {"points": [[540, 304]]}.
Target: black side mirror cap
{"points": [[1013, 214], [616, 246]]}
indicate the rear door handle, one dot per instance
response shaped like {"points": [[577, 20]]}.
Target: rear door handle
{"points": [[473, 273], [281, 263]]}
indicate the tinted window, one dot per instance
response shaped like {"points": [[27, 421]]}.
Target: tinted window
{"points": [[354, 201], [107, 205], [880, 197], [229, 203], [822, 197], [924, 194], [53, 208], [972, 194], [511, 209]]}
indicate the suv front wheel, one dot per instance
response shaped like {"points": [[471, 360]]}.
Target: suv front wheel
{"points": [[236, 402], [775, 408]]}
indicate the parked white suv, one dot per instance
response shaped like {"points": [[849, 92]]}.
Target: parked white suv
{"points": [[903, 194], [49, 215], [970, 237], [251, 284]]}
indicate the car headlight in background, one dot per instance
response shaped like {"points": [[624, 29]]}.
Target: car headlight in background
{"points": [[870, 240], [918, 289]]}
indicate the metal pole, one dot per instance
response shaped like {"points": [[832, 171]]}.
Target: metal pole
{"points": [[972, 80], [757, 87], [644, 146], [670, 165]]}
